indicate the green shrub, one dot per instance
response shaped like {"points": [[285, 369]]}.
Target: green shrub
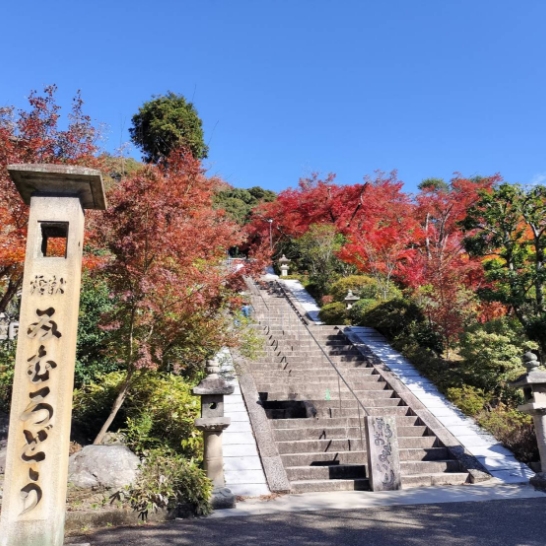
{"points": [[158, 412], [392, 317], [514, 429], [92, 356], [360, 308], [92, 405], [7, 366], [425, 336], [333, 313], [431, 365], [467, 398], [492, 353], [166, 480], [364, 286]]}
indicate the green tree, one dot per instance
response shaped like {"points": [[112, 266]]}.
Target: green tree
{"points": [[238, 202], [492, 353], [92, 356], [165, 123], [317, 252], [508, 226]]}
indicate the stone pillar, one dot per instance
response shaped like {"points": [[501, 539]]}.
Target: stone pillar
{"points": [[212, 422], [383, 458], [34, 500]]}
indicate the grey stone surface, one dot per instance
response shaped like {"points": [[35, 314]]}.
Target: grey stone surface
{"points": [[222, 498], [103, 466], [275, 473], [383, 454], [67, 180]]}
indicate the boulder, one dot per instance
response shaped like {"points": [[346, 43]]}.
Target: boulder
{"points": [[99, 466]]}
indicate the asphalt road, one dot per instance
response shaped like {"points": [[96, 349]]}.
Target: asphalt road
{"points": [[520, 522]]}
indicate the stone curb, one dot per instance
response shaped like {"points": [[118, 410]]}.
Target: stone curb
{"points": [[477, 472], [274, 471]]}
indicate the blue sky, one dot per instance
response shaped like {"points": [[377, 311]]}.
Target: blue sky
{"points": [[290, 87]]}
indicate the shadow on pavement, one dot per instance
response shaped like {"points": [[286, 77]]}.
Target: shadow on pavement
{"points": [[493, 523]]}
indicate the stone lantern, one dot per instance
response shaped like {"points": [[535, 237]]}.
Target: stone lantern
{"points": [[350, 299], [4, 326], [212, 422], [533, 384], [284, 261]]}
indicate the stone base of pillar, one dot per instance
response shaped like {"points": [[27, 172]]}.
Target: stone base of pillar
{"points": [[222, 498], [538, 481]]}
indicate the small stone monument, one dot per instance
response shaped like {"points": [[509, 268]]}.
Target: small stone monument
{"points": [[350, 299], [383, 457], [212, 422], [533, 384], [34, 501], [284, 261]]}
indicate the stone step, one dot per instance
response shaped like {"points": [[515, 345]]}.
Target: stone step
{"points": [[408, 468], [440, 478], [323, 486], [309, 370], [302, 374], [335, 433], [340, 422], [353, 412], [320, 404], [368, 383], [324, 459], [355, 444], [331, 472], [288, 394], [319, 446]]}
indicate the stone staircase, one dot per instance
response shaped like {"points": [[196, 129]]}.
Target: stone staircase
{"points": [[317, 423]]}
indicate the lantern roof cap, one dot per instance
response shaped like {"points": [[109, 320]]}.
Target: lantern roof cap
{"points": [[351, 297], [59, 181]]}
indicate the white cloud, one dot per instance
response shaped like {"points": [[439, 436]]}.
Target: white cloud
{"points": [[538, 179]]}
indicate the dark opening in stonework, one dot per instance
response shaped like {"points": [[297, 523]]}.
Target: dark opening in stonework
{"points": [[54, 239]]}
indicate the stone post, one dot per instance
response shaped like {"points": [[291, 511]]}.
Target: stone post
{"points": [[533, 384], [212, 422], [34, 502], [383, 458], [350, 299], [284, 261]]}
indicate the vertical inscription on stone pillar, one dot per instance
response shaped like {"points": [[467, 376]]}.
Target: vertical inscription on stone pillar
{"points": [[383, 459], [39, 413], [52, 286]]}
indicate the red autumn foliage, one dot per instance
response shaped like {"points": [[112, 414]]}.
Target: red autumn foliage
{"points": [[168, 247], [34, 136]]}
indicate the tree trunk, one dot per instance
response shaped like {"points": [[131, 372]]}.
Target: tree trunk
{"points": [[115, 408], [9, 294]]}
